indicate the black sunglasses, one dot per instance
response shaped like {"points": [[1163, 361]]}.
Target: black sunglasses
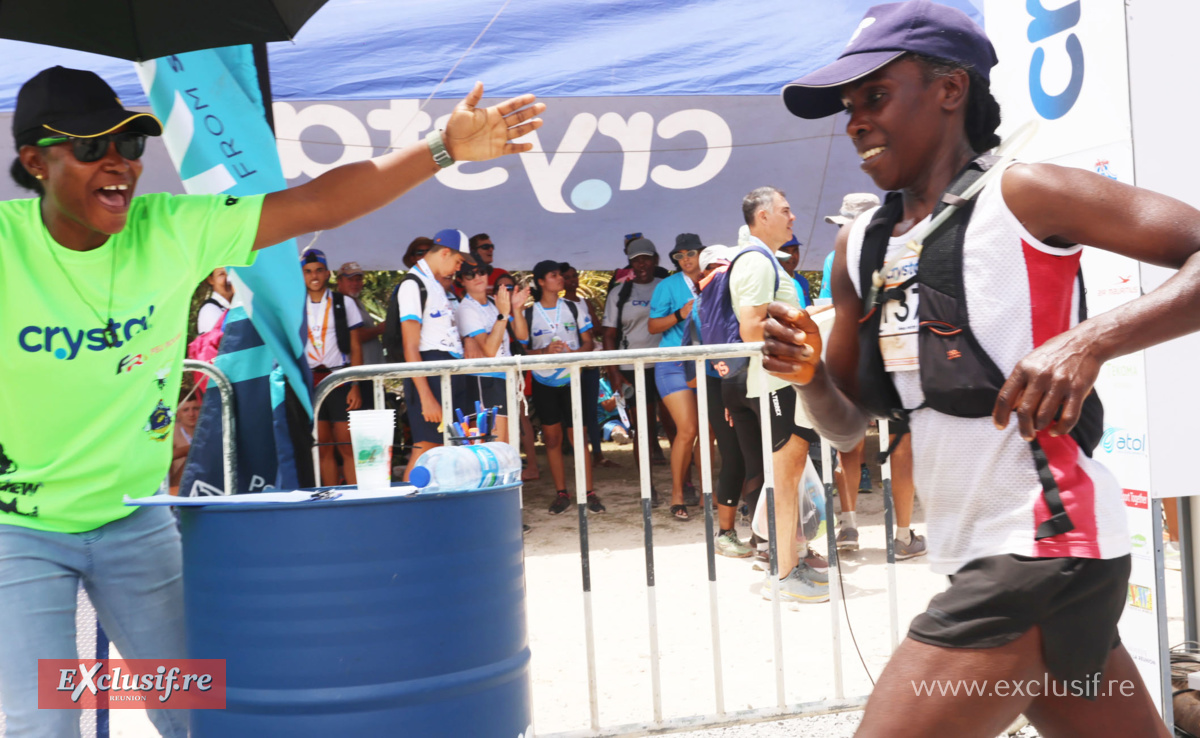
{"points": [[129, 145], [488, 246], [469, 273]]}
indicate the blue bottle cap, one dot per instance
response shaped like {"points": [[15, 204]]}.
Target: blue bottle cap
{"points": [[419, 477]]}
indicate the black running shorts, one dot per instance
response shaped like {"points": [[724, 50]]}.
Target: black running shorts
{"points": [[994, 600]]}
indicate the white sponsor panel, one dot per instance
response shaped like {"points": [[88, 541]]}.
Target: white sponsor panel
{"points": [[1066, 65]]}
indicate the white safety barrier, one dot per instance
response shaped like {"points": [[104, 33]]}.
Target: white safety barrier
{"points": [[228, 426], [512, 366]]}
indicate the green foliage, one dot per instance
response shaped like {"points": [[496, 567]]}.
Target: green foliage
{"points": [[814, 283], [377, 288]]}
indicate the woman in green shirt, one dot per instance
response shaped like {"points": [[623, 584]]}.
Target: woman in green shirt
{"points": [[95, 286]]}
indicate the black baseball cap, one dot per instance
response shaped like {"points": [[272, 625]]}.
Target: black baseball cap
{"points": [[885, 34], [75, 103]]}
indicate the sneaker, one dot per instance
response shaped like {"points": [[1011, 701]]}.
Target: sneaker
{"points": [[847, 539], [865, 485], [798, 586], [816, 561], [594, 504], [561, 503], [910, 550], [728, 544], [820, 576]]}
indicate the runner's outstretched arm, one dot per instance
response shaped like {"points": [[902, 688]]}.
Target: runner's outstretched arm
{"points": [[351, 191]]}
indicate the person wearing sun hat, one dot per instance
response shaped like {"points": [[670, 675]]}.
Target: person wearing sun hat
{"points": [[1034, 596], [853, 205], [95, 287]]}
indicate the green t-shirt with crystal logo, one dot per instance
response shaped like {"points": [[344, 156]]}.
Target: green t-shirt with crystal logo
{"points": [[82, 424]]}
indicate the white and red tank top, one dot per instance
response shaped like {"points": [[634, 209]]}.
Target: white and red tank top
{"points": [[978, 485]]}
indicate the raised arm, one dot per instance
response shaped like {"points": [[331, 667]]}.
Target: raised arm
{"points": [[351, 191]]}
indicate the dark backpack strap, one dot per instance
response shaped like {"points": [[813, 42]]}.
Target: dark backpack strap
{"points": [[211, 301], [1058, 522], [393, 334], [571, 306], [340, 325], [876, 391]]}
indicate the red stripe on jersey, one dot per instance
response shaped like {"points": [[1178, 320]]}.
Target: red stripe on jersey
{"points": [[1051, 288]]}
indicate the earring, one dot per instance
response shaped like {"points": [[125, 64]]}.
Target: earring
{"points": [[38, 177]]}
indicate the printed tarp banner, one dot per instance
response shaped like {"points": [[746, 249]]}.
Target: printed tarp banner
{"points": [[217, 136], [662, 116]]}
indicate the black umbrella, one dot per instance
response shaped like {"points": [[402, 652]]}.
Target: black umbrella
{"points": [[149, 29]]}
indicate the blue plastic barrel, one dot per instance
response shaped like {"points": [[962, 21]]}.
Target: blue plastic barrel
{"points": [[402, 616]]}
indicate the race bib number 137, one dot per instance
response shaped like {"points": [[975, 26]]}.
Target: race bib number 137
{"points": [[899, 324]]}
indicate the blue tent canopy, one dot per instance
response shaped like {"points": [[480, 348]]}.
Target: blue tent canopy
{"points": [[663, 114]]}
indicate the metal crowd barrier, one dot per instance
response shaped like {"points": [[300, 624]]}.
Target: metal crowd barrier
{"points": [[228, 429], [512, 366]]}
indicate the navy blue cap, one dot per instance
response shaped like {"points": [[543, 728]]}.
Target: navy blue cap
{"points": [[313, 256], [794, 242], [886, 33]]}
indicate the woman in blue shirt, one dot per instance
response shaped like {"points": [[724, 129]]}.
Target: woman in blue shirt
{"points": [[669, 307]]}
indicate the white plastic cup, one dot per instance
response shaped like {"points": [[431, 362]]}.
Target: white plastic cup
{"points": [[371, 434]]}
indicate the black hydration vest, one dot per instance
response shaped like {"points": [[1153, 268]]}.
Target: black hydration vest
{"points": [[957, 376]]}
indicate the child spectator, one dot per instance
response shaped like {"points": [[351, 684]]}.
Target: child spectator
{"points": [[332, 344], [557, 327], [424, 319], [186, 416]]}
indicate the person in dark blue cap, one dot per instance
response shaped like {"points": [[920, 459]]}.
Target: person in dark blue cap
{"points": [[1029, 527], [789, 257]]}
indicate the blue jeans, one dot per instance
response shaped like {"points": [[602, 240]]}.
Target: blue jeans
{"points": [[132, 572]]}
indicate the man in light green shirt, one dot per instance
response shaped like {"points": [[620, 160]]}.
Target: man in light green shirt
{"points": [[756, 279]]}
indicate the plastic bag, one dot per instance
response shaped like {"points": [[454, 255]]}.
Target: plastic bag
{"points": [[811, 523]]}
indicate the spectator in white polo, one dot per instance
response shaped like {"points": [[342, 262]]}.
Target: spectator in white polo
{"points": [[430, 333], [332, 344]]}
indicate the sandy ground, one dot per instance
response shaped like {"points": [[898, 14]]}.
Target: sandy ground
{"points": [[621, 616]]}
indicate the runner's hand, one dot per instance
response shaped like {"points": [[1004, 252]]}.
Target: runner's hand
{"points": [[792, 347], [473, 134], [1055, 378], [686, 310], [354, 397]]}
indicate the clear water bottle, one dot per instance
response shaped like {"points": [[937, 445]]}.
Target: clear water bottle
{"points": [[461, 468]]}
